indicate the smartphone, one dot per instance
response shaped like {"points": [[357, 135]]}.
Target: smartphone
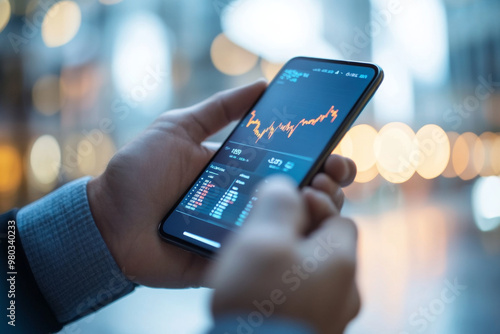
{"points": [[291, 130]]}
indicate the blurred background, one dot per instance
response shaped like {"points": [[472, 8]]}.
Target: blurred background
{"points": [[78, 79]]}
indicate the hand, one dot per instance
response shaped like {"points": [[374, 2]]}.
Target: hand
{"points": [[274, 269], [146, 177]]}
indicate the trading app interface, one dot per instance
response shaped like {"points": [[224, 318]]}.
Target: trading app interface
{"points": [[284, 133]]}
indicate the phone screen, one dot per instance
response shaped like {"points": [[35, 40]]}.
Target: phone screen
{"points": [[287, 131]]}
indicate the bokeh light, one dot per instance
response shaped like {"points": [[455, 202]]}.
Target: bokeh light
{"points": [[230, 58], [79, 89], [276, 30], [69, 164], [495, 156], [395, 99], [478, 156], [75, 84], [270, 69], [4, 13], [468, 156], [395, 149], [45, 159], [142, 61], [367, 175], [461, 155], [449, 171], [93, 159], [338, 149], [358, 144], [46, 97], [434, 148], [86, 157], [10, 169], [486, 203], [181, 70], [488, 139], [425, 48], [61, 23], [110, 2]]}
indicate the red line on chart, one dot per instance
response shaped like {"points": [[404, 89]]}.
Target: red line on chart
{"points": [[288, 128]]}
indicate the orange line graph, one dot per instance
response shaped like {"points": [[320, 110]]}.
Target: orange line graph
{"points": [[288, 128]]}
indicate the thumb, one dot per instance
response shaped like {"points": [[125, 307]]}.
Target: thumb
{"points": [[279, 209], [211, 115]]}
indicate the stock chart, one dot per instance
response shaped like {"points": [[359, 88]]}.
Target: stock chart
{"points": [[285, 132]]}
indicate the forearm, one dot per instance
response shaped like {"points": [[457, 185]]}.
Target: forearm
{"points": [[68, 259], [25, 307]]}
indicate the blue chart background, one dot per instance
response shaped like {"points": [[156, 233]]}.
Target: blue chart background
{"points": [[307, 97]]}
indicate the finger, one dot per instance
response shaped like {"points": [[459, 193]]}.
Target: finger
{"points": [[351, 307], [279, 211], [353, 303], [194, 275], [341, 170], [324, 183], [337, 237], [320, 207], [211, 115]]}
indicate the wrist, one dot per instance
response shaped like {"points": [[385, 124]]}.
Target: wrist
{"points": [[102, 209]]}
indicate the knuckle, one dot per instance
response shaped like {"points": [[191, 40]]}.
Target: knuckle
{"points": [[349, 227]]}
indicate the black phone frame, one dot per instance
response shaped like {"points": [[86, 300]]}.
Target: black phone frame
{"points": [[334, 141]]}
